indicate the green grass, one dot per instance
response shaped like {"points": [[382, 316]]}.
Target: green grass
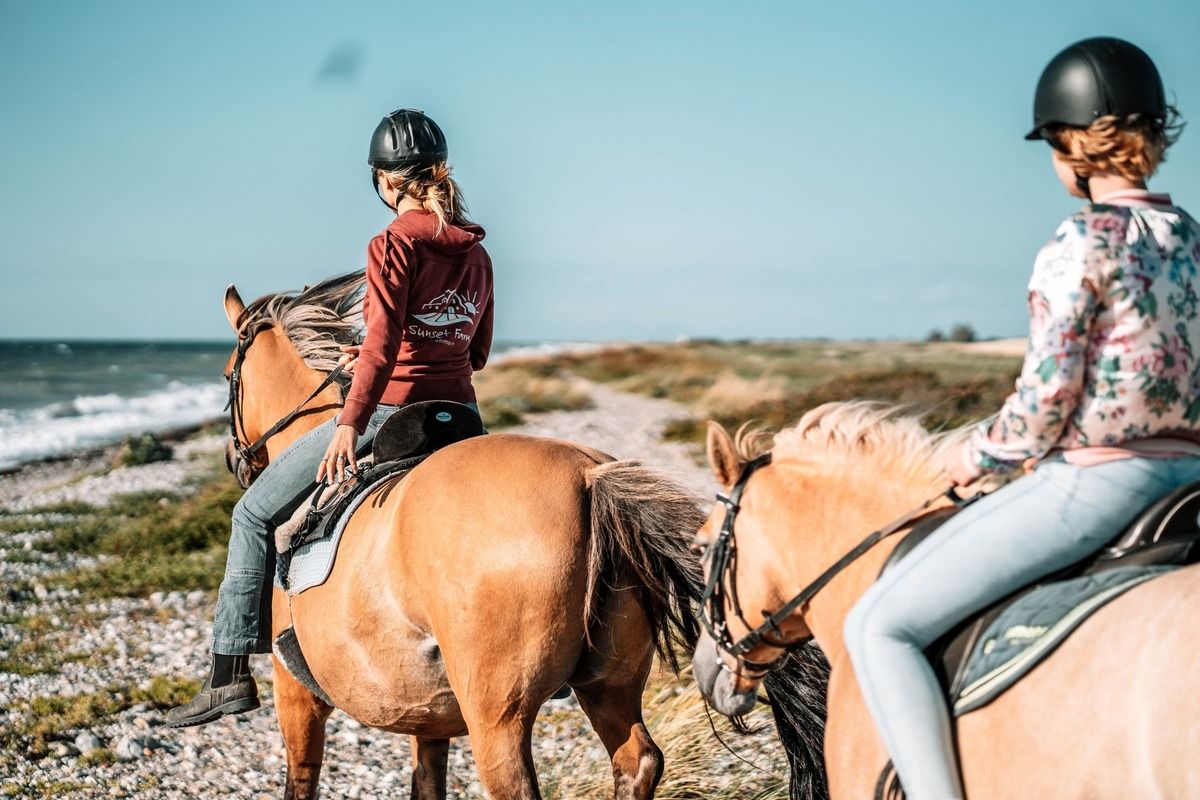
{"points": [[38, 650], [154, 541], [42, 720]]}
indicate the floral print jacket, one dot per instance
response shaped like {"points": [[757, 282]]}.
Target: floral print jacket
{"points": [[1113, 336]]}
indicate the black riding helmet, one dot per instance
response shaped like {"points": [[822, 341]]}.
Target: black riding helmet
{"points": [[1095, 78], [405, 138]]}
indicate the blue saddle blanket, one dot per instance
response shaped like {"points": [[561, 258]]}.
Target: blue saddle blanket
{"points": [[1029, 630]]}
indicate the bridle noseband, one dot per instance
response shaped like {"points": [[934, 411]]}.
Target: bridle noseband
{"points": [[722, 585], [243, 466]]}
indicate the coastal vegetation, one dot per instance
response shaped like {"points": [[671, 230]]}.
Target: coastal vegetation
{"points": [[774, 383]]}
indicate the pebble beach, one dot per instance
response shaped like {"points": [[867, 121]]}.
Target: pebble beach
{"points": [[134, 641]]}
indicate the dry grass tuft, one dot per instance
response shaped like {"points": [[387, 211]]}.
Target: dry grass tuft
{"points": [[507, 392], [697, 766]]}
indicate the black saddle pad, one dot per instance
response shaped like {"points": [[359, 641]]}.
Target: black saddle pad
{"points": [[421, 428]]}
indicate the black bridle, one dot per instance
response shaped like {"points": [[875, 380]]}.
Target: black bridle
{"points": [[243, 464], [721, 586]]}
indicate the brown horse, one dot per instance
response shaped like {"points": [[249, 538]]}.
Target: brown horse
{"points": [[463, 595], [1112, 713]]}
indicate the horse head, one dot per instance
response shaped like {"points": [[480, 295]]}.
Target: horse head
{"points": [[743, 577], [281, 373], [779, 548]]}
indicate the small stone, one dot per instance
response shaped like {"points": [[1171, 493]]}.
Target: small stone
{"points": [[156, 599], [197, 596], [39, 591], [128, 749], [355, 792], [349, 737], [87, 743], [62, 750]]}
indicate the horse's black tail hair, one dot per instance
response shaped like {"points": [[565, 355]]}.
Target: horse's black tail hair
{"points": [[797, 695]]}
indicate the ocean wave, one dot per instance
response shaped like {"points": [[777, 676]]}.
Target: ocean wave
{"points": [[94, 420], [548, 349]]}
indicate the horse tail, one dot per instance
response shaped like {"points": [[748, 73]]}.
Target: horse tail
{"points": [[642, 525], [797, 693]]}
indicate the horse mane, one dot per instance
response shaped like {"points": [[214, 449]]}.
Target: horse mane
{"points": [[887, 435], [882, 437], [318, 320]]}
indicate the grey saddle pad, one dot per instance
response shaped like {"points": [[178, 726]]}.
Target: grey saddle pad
{"points": [[1029, 630], [312, 561]]}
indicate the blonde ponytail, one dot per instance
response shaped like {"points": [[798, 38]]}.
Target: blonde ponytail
{"points": [[435, 189]]}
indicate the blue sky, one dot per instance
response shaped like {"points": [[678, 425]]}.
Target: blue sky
{"points": [[644, 170]]}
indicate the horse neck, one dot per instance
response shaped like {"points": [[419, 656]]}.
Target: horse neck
{"points": [[280, 381], [849, 510]]}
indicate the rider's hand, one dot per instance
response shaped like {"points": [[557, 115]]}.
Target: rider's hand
{"points": [[957, 467], [339, 456], [350, 356]]}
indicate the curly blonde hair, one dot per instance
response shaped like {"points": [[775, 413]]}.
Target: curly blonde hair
{"points": [[1133, 146], [434, 189]]}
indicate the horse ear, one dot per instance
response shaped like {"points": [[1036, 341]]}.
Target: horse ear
{"points": [[233, 306], [722, 455]]}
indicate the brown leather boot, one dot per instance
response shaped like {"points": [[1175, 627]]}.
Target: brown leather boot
{"points": [[235, 692]]}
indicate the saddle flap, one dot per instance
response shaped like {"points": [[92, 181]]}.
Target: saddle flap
{"points": [[421, 428]]}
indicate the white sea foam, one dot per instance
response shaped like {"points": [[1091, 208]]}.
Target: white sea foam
{"points": [[548, 349], [93, 420]]}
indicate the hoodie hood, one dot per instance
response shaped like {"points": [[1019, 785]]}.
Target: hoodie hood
{"points": [[422, 226]]}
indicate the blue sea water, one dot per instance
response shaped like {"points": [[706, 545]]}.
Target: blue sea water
{"points": [[57, 397]]}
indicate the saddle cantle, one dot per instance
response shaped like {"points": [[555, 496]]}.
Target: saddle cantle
{"points": [[1165, 534]]}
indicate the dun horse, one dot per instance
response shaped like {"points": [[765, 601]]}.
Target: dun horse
{"points": [[1110, 714], [462, 596]]}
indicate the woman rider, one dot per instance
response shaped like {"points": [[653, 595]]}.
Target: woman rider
{"points": [[1107, 402], [428, 317]]}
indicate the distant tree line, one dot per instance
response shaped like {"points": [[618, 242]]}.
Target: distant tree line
{"points": [[959, 332]]}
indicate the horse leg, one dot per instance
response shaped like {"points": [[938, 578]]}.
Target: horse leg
{"points": [[615, 712], [429, 768], [302, 722], [501, 739]]}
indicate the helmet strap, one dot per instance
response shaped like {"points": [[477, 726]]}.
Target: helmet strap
{"points": [[1083, 185], [379, 194]]}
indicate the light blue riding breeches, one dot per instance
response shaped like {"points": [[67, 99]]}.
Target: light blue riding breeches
{"points": [[1026, 530]]}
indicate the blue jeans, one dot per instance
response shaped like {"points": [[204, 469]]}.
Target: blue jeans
{"points": [[243, 620], [1030, 528]]}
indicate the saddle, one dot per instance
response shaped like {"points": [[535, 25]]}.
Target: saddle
{"points": [[405, 439], [1166, 533]]}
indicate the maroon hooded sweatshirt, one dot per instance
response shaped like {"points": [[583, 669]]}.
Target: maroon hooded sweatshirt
{"points": [[428, 315]]}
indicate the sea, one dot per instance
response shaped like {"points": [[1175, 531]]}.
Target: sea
{"points": [[60, 397]]}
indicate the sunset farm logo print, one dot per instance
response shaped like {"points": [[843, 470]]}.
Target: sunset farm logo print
{"points": [[449, 308]]}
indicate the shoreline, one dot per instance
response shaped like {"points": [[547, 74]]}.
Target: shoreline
{"points": [[100, 451]]}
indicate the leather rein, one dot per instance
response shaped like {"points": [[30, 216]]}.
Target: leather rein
{"points": [[721, 586], [243, 466]]}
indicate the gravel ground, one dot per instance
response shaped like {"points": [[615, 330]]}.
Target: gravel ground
{"points": [[129, 641]]}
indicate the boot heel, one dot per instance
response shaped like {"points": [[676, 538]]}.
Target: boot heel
{"points": [[239, 706]]}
